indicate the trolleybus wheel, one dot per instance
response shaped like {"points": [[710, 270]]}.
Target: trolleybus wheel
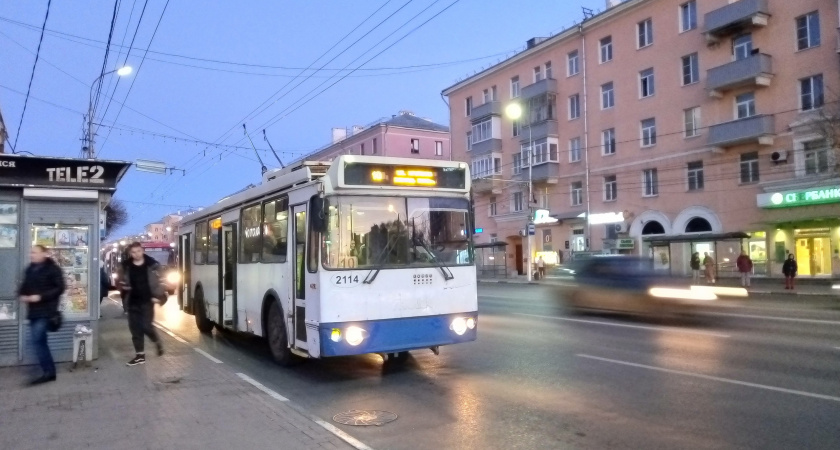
{"points": [[278, 340], [204, 324]]}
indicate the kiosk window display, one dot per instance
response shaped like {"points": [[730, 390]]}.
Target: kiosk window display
{"points": [[68, 246]]}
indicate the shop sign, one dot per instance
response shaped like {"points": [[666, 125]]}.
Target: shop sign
{"points": [[604, 218], [542, 216], [626, 244], [60, 172], [805, 197]]}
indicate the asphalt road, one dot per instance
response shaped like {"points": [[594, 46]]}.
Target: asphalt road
{"points": [[759, 374]]}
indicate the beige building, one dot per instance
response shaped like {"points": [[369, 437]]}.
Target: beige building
{"points": [[663, 127], [165, 230]]}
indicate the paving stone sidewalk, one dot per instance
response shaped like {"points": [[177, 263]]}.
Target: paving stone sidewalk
{"points": [[181, 400]]}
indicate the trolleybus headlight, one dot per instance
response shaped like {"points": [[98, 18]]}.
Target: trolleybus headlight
{"points": [[354, 335], [459, 326], [173, 277], [470, 323], [335, 336]]}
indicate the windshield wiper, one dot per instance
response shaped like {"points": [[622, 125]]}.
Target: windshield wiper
{"points": [[375, 270], [447, 274]]}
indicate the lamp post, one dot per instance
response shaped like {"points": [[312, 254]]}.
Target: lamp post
{"points": [[88, 151], [514, 112]]}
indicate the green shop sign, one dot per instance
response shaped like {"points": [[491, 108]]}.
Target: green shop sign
{"points": [[789, 199]]}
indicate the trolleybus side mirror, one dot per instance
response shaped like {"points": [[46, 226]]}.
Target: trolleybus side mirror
{"points": [[318, 213]]}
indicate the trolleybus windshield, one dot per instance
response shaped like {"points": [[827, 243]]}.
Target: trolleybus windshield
{"points": [[397, 232]]}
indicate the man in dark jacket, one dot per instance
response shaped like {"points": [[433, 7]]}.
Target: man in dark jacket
{"points": [[140, 281], [43, 284], [789, 268]]}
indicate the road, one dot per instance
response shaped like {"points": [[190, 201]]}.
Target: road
{"points": [[760, 374]]}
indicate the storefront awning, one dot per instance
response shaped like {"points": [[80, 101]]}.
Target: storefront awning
{"points": [[700, 237], [570, 215]]}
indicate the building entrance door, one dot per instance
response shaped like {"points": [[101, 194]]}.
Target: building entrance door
{"points": [[813, 255]]}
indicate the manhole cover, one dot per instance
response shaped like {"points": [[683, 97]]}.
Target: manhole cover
{"points": [[365, 417]]}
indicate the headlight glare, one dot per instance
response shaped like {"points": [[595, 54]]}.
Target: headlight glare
{"points": [[335, 336], [173, 277], [470, 323], [354, 335], [459, 326]]}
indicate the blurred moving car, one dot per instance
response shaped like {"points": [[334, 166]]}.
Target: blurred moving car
{"points": [[629, 284]]}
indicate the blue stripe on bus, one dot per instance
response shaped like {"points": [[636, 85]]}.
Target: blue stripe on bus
{"points": [[396, 335]]}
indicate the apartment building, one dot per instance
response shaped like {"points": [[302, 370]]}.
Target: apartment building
{"points": [[663, 127], [165, 230], [402, 135]]}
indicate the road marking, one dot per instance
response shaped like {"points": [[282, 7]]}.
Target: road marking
{"points": [[782, 319], [209, 356], [166, 330], [713, 378], [262, 387], [355, 443], [627, 325]]}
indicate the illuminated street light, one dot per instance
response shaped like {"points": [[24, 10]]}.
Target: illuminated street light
{"points": [[88, 150]]}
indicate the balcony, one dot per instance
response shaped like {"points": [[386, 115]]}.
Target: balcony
{"points": [[487, 109], [545, 86], [540, 130], [547, 172], [757, 70], [485, 147], [752, 130], [735, 17], [492, 184]]}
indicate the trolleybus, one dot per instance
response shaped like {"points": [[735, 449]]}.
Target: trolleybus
{"points": [[363, 254]]}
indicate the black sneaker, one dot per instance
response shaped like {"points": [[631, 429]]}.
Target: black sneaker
{"points": [[160, 349], [42, 380], [139, 359]]}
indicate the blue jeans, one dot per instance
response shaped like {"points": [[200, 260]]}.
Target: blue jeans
{"points": [[38, 328]]}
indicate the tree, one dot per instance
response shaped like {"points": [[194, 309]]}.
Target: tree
{"points": [[115, 216]]}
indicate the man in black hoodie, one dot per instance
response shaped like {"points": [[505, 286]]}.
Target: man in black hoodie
{"points": [[140, 280], [43, 284]]}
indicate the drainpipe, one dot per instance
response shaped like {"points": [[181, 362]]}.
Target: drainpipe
{"points": [[385, 140], [588, 231], [443, 99]]}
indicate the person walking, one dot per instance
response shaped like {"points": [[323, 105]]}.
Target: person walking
{"points": [[789, 268], [43, 284], [695, 267], [709, 264], [745, 266], [541, 267], [140, 281]]}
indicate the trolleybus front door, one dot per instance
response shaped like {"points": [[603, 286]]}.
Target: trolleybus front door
{"points": [[299, 267], [184, 267], [227, 308]]}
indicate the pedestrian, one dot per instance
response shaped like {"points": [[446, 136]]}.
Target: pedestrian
{"points": [[43, 284], [709, 264], [745, 266], [789, 268], [541, 267], [104, 286], [140, 281], [695, 267]]}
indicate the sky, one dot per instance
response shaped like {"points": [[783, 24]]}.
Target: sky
{"points": [[202, 68]]}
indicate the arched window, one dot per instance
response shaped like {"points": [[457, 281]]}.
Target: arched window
{"points": [[698, 225], [653, 227]]}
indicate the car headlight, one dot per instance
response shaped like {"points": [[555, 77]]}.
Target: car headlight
{"points": [[173, 277], [459, 326], [354, 335]]}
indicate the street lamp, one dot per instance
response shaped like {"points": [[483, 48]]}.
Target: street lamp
{"points": [[514, 112], [88, 150]]}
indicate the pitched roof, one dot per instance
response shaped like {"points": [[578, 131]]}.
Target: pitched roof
{"points": [[412, 121]]}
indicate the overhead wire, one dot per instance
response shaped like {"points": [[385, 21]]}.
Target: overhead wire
{"points": [[95, 100], [122, 42], [31, 77]]}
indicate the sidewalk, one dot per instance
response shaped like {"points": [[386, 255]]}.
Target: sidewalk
{"points": [[181, 400]]}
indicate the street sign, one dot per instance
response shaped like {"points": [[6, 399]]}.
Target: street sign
{"points": [[479, 230], [532, 229]]}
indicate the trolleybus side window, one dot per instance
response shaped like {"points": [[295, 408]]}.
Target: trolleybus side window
{"points": [[275, 230], [213, 241], [251, 242], [200, 243]]}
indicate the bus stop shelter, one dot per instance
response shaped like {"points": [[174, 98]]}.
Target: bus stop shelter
{"points": [[491, 260], [671, 251]]}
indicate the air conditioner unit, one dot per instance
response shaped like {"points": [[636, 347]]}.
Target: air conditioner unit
{"points": [[523, 232], [620, 227], [779, 156]]}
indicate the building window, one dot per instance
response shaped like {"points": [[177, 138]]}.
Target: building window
{"points": [[542, 151], [574, 149], [606, 49], [482, 131], [646, 83], [375, 146], [517, 201], [650, 182], [362, 148], [514, 87], [816, 157], [574, 106], [548, 72], [494, 94], [811, 92], [415, 145], [742, 46], [745, 105], [493, 211], [517, 128], [487, 96], [695, 176], [517, 163], [485, 167], [645, 33], [538, 75], [648, 132], [577, 193], [691, 121], [608, 141], [573, 63], [541, 108], [690, 69], [749, 167], [808, 31], [468, 106], [543, 202], [610, 188], [438, 148], [469, 141], [607, 95], [688, 16]]}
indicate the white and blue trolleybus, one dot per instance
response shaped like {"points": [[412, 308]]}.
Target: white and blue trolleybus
{"points": [[363, 254]]}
